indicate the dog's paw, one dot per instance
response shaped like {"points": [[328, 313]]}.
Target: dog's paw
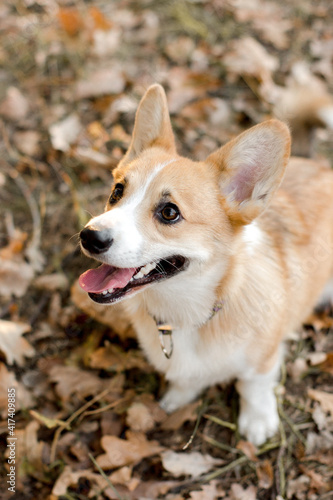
{"points": [[258, 425], [177, 397]]}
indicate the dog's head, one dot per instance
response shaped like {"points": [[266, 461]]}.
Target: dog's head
{"points": [[168, 216]]}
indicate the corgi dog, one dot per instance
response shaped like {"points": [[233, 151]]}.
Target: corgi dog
{"points": [[218, 260]]}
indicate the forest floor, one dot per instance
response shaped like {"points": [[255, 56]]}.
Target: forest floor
{"points": [[87, 422]]}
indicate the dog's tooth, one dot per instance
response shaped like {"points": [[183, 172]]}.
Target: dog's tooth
{"points": [[104, 292], [145, 270], [110, 290]]}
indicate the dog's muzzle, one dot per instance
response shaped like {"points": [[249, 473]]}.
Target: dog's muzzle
{"points": [[95, 241]]}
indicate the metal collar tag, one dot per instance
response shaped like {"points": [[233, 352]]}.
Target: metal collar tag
{"points": [[165, 332]]}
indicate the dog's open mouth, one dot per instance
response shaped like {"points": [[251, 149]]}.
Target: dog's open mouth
{"points": [[108, 284]]}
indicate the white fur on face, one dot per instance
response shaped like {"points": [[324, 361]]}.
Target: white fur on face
{"points": [[128, 243]]}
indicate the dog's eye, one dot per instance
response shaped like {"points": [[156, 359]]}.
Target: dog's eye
{"points": [[116, 194], [169, 214]]}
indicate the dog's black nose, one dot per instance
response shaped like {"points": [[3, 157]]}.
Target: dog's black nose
{"points": [[95, 241]]}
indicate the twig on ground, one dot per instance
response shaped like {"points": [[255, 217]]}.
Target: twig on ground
{"points": [[222, 446], [221, 422], [70, 420], [107, 479], [239, 461], [197, 423]]}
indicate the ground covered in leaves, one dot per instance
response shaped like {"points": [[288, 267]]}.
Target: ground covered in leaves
{"points": [[87, 419]]}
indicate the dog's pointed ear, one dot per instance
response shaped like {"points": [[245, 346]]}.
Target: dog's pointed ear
{"points": [[152, 125], [251, 168]]}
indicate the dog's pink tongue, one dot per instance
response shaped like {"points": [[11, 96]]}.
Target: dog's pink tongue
{"points": [[105, 277]]}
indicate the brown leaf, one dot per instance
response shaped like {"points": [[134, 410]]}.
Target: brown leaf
{"points": [[112, 357], [124, 476], [317, 481], [274, 32], [327, 365], [15, 276], [12, 344], [28, 142], [120, 452], [297, 487], [15, 106], [265, 474], [65, 132], [247, 57], [100, 82], [325, 399], [70, 478], [320, 322], [70, 20], [100, 21], [52, 282], [139, 418], [239, 493], [23, 398], [188, 463], [72, 380], [28, 450], [179, 417], [248, 449], [207, 492]]}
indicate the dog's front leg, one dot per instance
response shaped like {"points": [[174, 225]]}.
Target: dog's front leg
{"points": [[258, 419], [180, 394]]}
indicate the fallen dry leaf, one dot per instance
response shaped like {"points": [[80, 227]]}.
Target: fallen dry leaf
{"points": [[100, 82], [15, 276], [114, 316], [23, 397], [122, 475], [68, 477], [190, 463], [29, 450], [239, 493], [52, 282], [207, 492], [317, 481], [15, 106], [28, 142], [327, 365], [265, 474], [247, 57], [12, 344], [72, 380], [325, 399], [274, 31], [15, 273], [70, 20], [129, 451], [179, 417], [248, 449], [139, 418], [297, 488], [65, 132], [100, 21], [112, 357]]}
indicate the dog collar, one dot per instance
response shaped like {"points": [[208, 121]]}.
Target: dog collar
{"points": [[165, 331]]}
